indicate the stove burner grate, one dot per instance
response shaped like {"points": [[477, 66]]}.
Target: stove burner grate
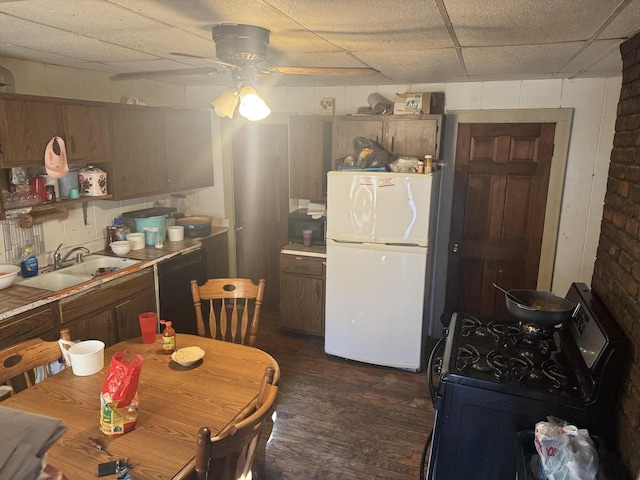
{"points": [[466, 356], [506, 367]]}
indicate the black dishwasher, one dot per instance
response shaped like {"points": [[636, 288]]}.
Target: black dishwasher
{"points": [[174, 277]]}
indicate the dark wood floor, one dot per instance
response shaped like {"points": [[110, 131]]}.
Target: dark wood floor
{"points": [[338, 419]]}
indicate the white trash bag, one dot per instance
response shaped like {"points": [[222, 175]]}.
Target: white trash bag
{"points": [[566, 452]]}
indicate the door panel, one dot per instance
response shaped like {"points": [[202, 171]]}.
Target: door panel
{"points": [[260, 173], [500, 192]]}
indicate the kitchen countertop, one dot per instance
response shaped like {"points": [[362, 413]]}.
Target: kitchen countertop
{"points": [[19, 298], [301, 250]]}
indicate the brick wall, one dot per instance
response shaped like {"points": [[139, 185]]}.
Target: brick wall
{"points": [[616, 277]]}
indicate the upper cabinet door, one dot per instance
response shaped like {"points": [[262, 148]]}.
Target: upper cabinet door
{"points": [[189, 149], [309, 157], [141, 158], [87, 132], [413, 137], [345, 129], [25, 130]]}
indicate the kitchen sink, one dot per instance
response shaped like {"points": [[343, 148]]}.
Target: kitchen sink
{"points": [[93, 265]]}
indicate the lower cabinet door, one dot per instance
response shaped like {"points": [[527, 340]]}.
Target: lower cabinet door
{"points": [[127, 314], [97, 326], [302, 303]]}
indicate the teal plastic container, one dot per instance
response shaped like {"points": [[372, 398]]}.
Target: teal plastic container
{"points": [[158, 222]]}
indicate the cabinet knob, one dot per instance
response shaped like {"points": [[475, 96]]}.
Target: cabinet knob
{"points": [[238, 228], [455, 248]]}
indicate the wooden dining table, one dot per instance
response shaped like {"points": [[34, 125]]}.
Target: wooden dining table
{"points": [[175, 401]]}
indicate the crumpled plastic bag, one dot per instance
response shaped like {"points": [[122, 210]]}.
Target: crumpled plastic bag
{"points": [[369, 153], [119, 396], [566, 452]]}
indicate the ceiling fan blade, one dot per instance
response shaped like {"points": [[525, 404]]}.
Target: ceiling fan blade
{"points": [[212, 60], [164, 73], [351, 71]]}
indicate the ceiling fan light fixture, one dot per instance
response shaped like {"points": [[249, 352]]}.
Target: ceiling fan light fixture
{"points": [[226, 103], [252, 106]]}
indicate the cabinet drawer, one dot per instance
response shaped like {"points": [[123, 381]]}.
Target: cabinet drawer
{"points": [[105, 295], [34, 323], [301, 265]]}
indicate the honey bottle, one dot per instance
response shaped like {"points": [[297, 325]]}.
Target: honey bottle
{"points": [[168, 338]]}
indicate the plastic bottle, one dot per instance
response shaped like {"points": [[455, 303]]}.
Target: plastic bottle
{"points": [[29, 263], [168, 338], [428, 164], [120, 233]]}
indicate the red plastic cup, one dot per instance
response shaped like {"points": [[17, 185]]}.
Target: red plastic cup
{"points": [[148, 326]]}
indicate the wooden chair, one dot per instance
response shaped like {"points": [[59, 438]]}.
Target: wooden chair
{"points": [[18, 361], [229, 306], [229, 456]]}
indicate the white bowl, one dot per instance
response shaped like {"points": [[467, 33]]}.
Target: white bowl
{"points": [[86, 357], [137, 240], [192, 355], [121, 247], [176, 233], [8, 274]]}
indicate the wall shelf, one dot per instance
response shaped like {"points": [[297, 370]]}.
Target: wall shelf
{"points": [[53, 210]]}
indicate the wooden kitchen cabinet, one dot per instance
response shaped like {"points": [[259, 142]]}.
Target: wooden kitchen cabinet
{"points": [[41, 322], [110, 311], [189, 152], [406, 135], [26, 126], [140, 167], [302, 293], [309, 156], [217, 251], [87, 131]]}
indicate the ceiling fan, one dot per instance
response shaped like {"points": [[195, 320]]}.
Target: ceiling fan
{"points": [[242, 50]]}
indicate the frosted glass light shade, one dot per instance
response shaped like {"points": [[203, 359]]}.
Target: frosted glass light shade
{"points": [[226, 103], [252, 107]]}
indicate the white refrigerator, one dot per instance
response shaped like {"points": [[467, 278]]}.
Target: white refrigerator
{"points": [[380, 234]]}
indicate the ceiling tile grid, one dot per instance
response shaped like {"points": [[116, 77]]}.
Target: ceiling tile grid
{"points": [[407, 41]]}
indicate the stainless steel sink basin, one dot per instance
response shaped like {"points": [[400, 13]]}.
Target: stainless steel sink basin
{"points": [[75, 274]]}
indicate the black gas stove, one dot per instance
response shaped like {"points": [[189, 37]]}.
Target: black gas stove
{"points": [[495, 378]]}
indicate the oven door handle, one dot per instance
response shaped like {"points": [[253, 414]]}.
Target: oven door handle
{"points": [[432, 387]]}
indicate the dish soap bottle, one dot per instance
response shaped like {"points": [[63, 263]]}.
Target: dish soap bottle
{"points": [[29, 263], [168, 338]]}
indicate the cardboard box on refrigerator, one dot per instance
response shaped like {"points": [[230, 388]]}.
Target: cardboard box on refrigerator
{"points": [[417, 103]]}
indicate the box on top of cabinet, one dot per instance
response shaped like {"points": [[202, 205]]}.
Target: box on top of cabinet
{"points": [[428, 103]]}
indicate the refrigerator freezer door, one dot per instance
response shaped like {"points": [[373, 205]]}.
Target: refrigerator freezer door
{"points": [[374, 306], [380, 207]]}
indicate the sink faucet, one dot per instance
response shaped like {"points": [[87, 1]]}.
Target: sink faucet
{"points": [[58, 260]]}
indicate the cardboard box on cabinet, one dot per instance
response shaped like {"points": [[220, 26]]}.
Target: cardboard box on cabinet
{"points": [[417, 103]]}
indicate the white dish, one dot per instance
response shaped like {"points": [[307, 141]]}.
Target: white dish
{"points": [[121, 247], [9, 274], [137, 240], [195, 354]]}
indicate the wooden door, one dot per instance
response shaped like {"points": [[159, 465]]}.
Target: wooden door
{"points": [[345, 129], [499, 200], [189, 152], [25, 130], [261, 199], [87, 132]]}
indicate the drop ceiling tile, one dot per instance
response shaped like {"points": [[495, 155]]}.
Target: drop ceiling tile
{"points": [[518, 22], [625, 24], [370, 25], [609, 66], [517, 60], [27, 34], [592, 54], [413, 64]]}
